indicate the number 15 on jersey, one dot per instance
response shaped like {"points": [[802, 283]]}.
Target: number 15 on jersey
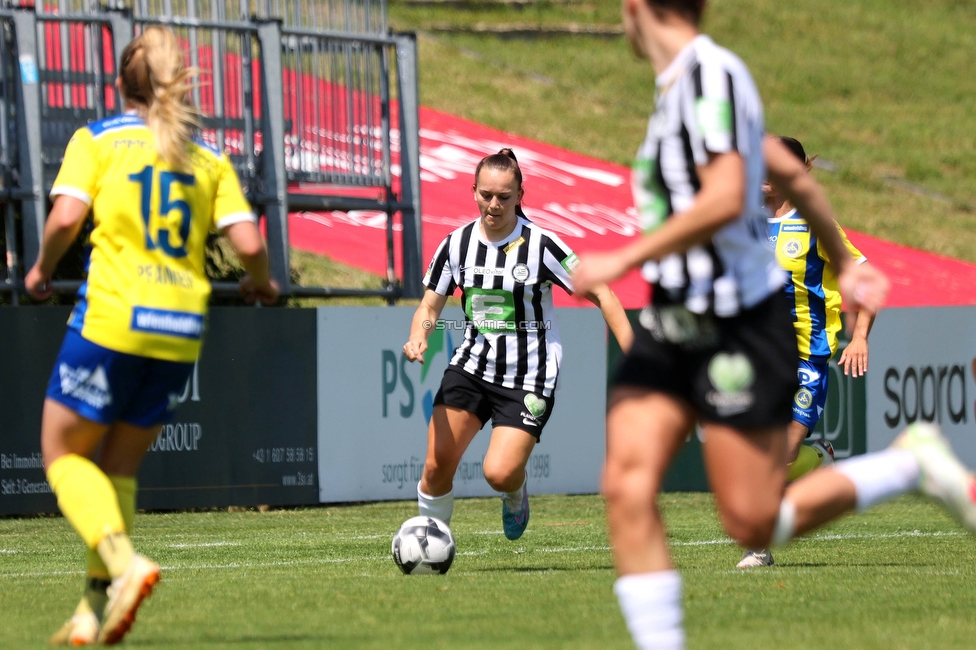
{"points": [[161, 237]]}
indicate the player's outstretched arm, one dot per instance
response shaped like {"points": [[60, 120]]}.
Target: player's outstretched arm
{"points": [[862, 286], [424, 320], [246, 239], [613, 313], [60, 230]]}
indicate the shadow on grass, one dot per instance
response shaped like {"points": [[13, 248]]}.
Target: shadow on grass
{"points": [[845, 565]]}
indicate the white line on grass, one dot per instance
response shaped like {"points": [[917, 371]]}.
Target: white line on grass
{"points": [[568, 549]]}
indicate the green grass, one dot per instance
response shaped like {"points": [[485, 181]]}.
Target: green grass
{"points": [[881, 90], [900, 576]]}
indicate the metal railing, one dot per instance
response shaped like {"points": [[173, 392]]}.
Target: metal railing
{"points": [[345, 16], [286, 105]]}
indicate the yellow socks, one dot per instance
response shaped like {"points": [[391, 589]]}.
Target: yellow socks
{"points": [[86, 497], [116, 552], [91, 505], [806, 461], [125, 489]]}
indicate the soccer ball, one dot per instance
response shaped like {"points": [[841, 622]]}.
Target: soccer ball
{"points": [[423, 545], [824, 450]]}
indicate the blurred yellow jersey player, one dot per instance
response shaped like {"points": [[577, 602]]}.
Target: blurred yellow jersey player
{"points": [[147, 289], [813, 288], [816, 305]]}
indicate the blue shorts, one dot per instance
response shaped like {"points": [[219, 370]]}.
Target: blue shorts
{"points": [[107, 386], [808, 403]]}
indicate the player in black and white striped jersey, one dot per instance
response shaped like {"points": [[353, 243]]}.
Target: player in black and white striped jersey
{"points": [[506, 367], [716, 345]]}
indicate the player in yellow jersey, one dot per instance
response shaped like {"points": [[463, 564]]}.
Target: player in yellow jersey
{"points": [[155, 193], [816, 306]]}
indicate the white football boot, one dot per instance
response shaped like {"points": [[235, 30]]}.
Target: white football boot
{"points": [[753, 559], [943, 477], [79, 630]]}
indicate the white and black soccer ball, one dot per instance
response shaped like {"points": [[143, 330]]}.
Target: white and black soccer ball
{"points": [[423, 545]]}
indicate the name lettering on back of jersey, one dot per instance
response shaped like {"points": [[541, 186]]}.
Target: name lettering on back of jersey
{"points": [[131, 142], [160, 274], [172, 323], [513, 245]]}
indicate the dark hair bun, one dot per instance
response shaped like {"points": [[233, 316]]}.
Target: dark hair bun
{"points": [[508, 152]]}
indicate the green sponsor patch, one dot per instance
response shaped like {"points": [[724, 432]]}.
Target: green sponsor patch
{"points": [[648, 195], [714, 116], [730, 373], [491, 310], [570, 263], [535, 404]]}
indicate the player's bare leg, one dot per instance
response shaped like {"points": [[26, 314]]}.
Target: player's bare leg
{"points": [[645, 431], [504, 469], [450, 432]]}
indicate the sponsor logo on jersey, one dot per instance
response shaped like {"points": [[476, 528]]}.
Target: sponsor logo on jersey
{"points": [[486, 270], [86, 385], [570, 263], [795, 227], [714, 116], [172, 323], [807, 376], [520, 272]]}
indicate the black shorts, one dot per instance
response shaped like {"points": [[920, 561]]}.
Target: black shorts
{"points": [[739, 371], [505, 407]]}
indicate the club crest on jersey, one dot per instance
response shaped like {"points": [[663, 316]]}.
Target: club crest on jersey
{"points": [[520, 272], [793, 248]]}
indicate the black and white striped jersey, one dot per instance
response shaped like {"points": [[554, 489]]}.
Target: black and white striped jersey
{"points": [[510, 335], [706, 102]]}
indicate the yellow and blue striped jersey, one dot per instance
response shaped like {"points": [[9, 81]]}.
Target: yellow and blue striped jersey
{"points": [[146, 290], [813, 288]]}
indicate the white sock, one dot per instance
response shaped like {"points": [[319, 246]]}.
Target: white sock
{"points": [[514, 499], [785, 523], [880, 476], [441, 507], [651, 604]]}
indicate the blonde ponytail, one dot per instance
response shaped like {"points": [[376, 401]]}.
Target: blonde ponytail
{"points": [[154, 74]]}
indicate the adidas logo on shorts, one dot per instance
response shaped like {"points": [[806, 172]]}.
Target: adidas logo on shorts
{"points": [[87, 385]]}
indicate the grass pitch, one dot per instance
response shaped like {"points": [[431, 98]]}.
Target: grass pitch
{"points": [[900, 576]]}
